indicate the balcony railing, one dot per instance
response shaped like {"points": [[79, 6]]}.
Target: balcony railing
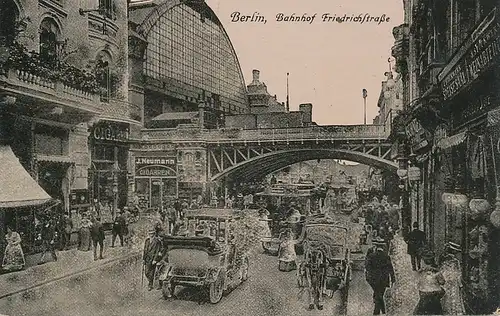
{"points": [[24, 82], [313, 133]]}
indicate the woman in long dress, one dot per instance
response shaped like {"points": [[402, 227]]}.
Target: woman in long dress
{"points": [[13, 259], [84, 243], [287, 255], [264, 223]]}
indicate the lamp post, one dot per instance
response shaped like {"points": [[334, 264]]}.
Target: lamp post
{"points": [[365, 94]]}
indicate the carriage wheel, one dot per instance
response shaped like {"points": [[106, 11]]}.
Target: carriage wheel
{"points": [[216, 289]]}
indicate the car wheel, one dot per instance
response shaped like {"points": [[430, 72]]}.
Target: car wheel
{"points": [[216, 289], [168, 289]]}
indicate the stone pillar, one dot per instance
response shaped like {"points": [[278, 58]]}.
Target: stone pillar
{"points": [[79, 152]]}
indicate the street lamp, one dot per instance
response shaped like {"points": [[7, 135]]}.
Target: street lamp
{"points": [[365, 94]]}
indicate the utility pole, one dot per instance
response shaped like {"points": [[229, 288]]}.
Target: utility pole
{"points": [[365, 94], [287, 94]]}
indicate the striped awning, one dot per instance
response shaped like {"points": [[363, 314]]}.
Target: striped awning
{"points": [[451, 141]]}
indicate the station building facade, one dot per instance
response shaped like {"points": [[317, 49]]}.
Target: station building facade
{"points": [[186, 73]]}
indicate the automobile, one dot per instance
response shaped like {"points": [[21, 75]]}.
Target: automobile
{"points": [[205, 254]]}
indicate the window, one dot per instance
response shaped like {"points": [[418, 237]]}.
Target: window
{"points": [[107, 8], [104, 76], [8, 17], [49, 32], [195, 53]]}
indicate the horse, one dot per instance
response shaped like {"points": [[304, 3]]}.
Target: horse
{"points": [[312, 275]]}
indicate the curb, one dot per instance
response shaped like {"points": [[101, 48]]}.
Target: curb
{"points": [[68, 275]]}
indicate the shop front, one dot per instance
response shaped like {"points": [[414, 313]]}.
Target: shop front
{"points": [[21, 200], [108, 182], [471, 91], [155, 179]]}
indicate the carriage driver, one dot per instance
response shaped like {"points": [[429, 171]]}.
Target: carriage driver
{"points": [[152, 254]]}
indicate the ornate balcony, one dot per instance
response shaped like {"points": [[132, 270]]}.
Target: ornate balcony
{"points": [[31, 88], [401, 48]]}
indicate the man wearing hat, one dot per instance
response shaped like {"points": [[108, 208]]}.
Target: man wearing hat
{"points": [[152, 254], [416, 242], [379, 273]]}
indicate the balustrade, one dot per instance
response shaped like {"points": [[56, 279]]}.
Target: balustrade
{"points": [[334, 132]]}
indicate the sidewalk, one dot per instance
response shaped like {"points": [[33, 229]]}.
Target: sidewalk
{"points": [[70, 262], [403, 296]]}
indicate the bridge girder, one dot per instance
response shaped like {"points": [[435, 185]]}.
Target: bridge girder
{"points": [[254, 166]]}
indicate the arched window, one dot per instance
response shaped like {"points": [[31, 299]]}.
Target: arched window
{"points": [[49, 33], [104, 75], [107, 8], [8, 17]]}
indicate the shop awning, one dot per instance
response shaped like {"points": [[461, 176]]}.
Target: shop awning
{"points": [[451, 141], [176, 116], [17, 187]]}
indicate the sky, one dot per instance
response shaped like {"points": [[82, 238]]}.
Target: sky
{"points": [[329, 63]]}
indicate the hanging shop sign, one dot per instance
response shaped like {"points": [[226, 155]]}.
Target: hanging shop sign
{"points": [[107, 131], [417, 135], [477, 54]]}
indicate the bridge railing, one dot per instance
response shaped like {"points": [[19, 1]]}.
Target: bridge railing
{"points": [[325, 132]]}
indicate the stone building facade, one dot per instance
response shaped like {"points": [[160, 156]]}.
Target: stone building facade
{"points": [[447, 54]]}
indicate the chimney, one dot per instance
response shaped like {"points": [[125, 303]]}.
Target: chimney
{"points": [[256, 74]]}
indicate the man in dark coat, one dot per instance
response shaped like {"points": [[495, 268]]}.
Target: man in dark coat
{"points": [[152, 254], [379, 274], [49, 237], [97, 234], [416, 242], [119, 228]]}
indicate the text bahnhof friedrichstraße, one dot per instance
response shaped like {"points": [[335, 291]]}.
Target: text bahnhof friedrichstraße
{"points": [[361, 18]]}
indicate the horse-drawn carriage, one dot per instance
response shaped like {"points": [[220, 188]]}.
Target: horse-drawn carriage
{"points": [[326, 267], [285, 197]]}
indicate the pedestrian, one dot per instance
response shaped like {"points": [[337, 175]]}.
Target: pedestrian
{"points": [[171, 218], [416, 242], [97, 233], [430, 287], [49, 237], [152, 254], [394, 217], [379, 274], [119, 226], [287, 258], [68, 229], [13, 258], [84, 239]]}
